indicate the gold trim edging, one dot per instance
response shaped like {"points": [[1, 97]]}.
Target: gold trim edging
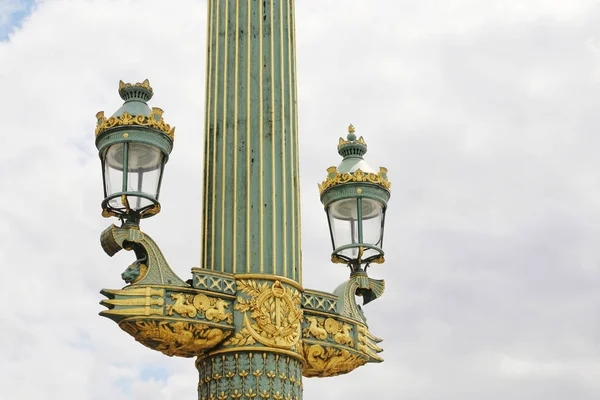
{"points": [[335, 178], [282, 279], [253, 349], [154, 120]]}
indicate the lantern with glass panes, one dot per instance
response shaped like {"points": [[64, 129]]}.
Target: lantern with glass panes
{"points": [[134, 145], [355, 197]]}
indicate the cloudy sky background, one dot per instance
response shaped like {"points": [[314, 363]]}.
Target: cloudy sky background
{"points": [[484, 112]]}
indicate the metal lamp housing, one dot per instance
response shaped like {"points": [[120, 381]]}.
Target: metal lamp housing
{"points": [[134, 145], [355, 198]]}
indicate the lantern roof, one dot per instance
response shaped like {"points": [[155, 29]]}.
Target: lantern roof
{"points": [[136, 97], [135, 110], [353, 149], [353, 167]]}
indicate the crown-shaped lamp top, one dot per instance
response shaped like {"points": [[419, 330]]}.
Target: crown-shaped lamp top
{"points": [[353, 167], [138, 91], [135, 110], [352, 147]]}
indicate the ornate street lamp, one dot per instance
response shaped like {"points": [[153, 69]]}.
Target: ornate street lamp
{"points": [[355, 197], [134, 145], [245, 315]]}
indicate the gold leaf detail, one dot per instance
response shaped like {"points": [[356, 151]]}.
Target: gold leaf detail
{"points": [[177, 338], [336, 178], [154, 120], [324, 362], [272, 314]]}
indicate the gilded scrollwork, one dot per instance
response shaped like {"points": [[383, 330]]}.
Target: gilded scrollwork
{"points": [[175, 338], [335, 178], [154, 120], [272, 315], [329, 361]]}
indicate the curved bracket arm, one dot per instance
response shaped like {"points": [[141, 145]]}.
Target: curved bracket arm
{"points": [[369, 289], [152, 266]]}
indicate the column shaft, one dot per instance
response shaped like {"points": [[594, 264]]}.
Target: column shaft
{"points": [[251, 214]]}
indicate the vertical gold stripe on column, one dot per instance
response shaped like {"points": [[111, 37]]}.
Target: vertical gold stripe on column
{"points": [[260, 138], [273, 204], [248, 142], [283, 147], [235, 135], [206, 128], [214, 156], [292, 143], [224, 130], [296, 153]]}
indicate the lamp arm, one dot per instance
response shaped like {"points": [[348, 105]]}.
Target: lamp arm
{"points": [[157, 271], [346, 292]]}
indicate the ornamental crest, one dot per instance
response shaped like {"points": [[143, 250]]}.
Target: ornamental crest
{"points": [[272, 315]]}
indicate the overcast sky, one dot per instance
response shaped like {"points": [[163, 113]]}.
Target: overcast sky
{"points": [[485, 112]]}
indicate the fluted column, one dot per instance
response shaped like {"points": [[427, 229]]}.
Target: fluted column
{"points": [[251, 215]]}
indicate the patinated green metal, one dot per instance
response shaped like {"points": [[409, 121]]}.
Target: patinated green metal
{"points": [[133, 122], [355, 179], [244, 314], [350, 190], [251, 220]]}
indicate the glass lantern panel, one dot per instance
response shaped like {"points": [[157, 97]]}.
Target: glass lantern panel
{"points": [[372, 219], [372, 225], [343, 219], [113, 171], [143, 173]]}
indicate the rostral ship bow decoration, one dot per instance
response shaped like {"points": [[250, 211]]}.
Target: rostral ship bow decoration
{"points": [[253, 328]]}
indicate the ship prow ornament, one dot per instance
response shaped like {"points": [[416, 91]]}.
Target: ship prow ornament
{"points": [[254, 330]]}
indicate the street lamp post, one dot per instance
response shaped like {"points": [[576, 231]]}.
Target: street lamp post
{"points": [[254, 329]]}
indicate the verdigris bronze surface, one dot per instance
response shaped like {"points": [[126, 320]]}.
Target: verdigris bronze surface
{"points": [[254, 329]]}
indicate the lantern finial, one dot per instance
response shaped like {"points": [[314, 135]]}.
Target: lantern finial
{"points": [[351, 136]]}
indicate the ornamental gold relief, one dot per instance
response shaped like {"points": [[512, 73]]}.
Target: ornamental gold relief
{"points": [[335, 178], [187, 305], [175, 338], [323, 361], [272, 315], [329, 328], [154, 120]]}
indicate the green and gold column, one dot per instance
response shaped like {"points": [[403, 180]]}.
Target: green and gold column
{"points": [[251, 215], [244, 315], [251, 221]]}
